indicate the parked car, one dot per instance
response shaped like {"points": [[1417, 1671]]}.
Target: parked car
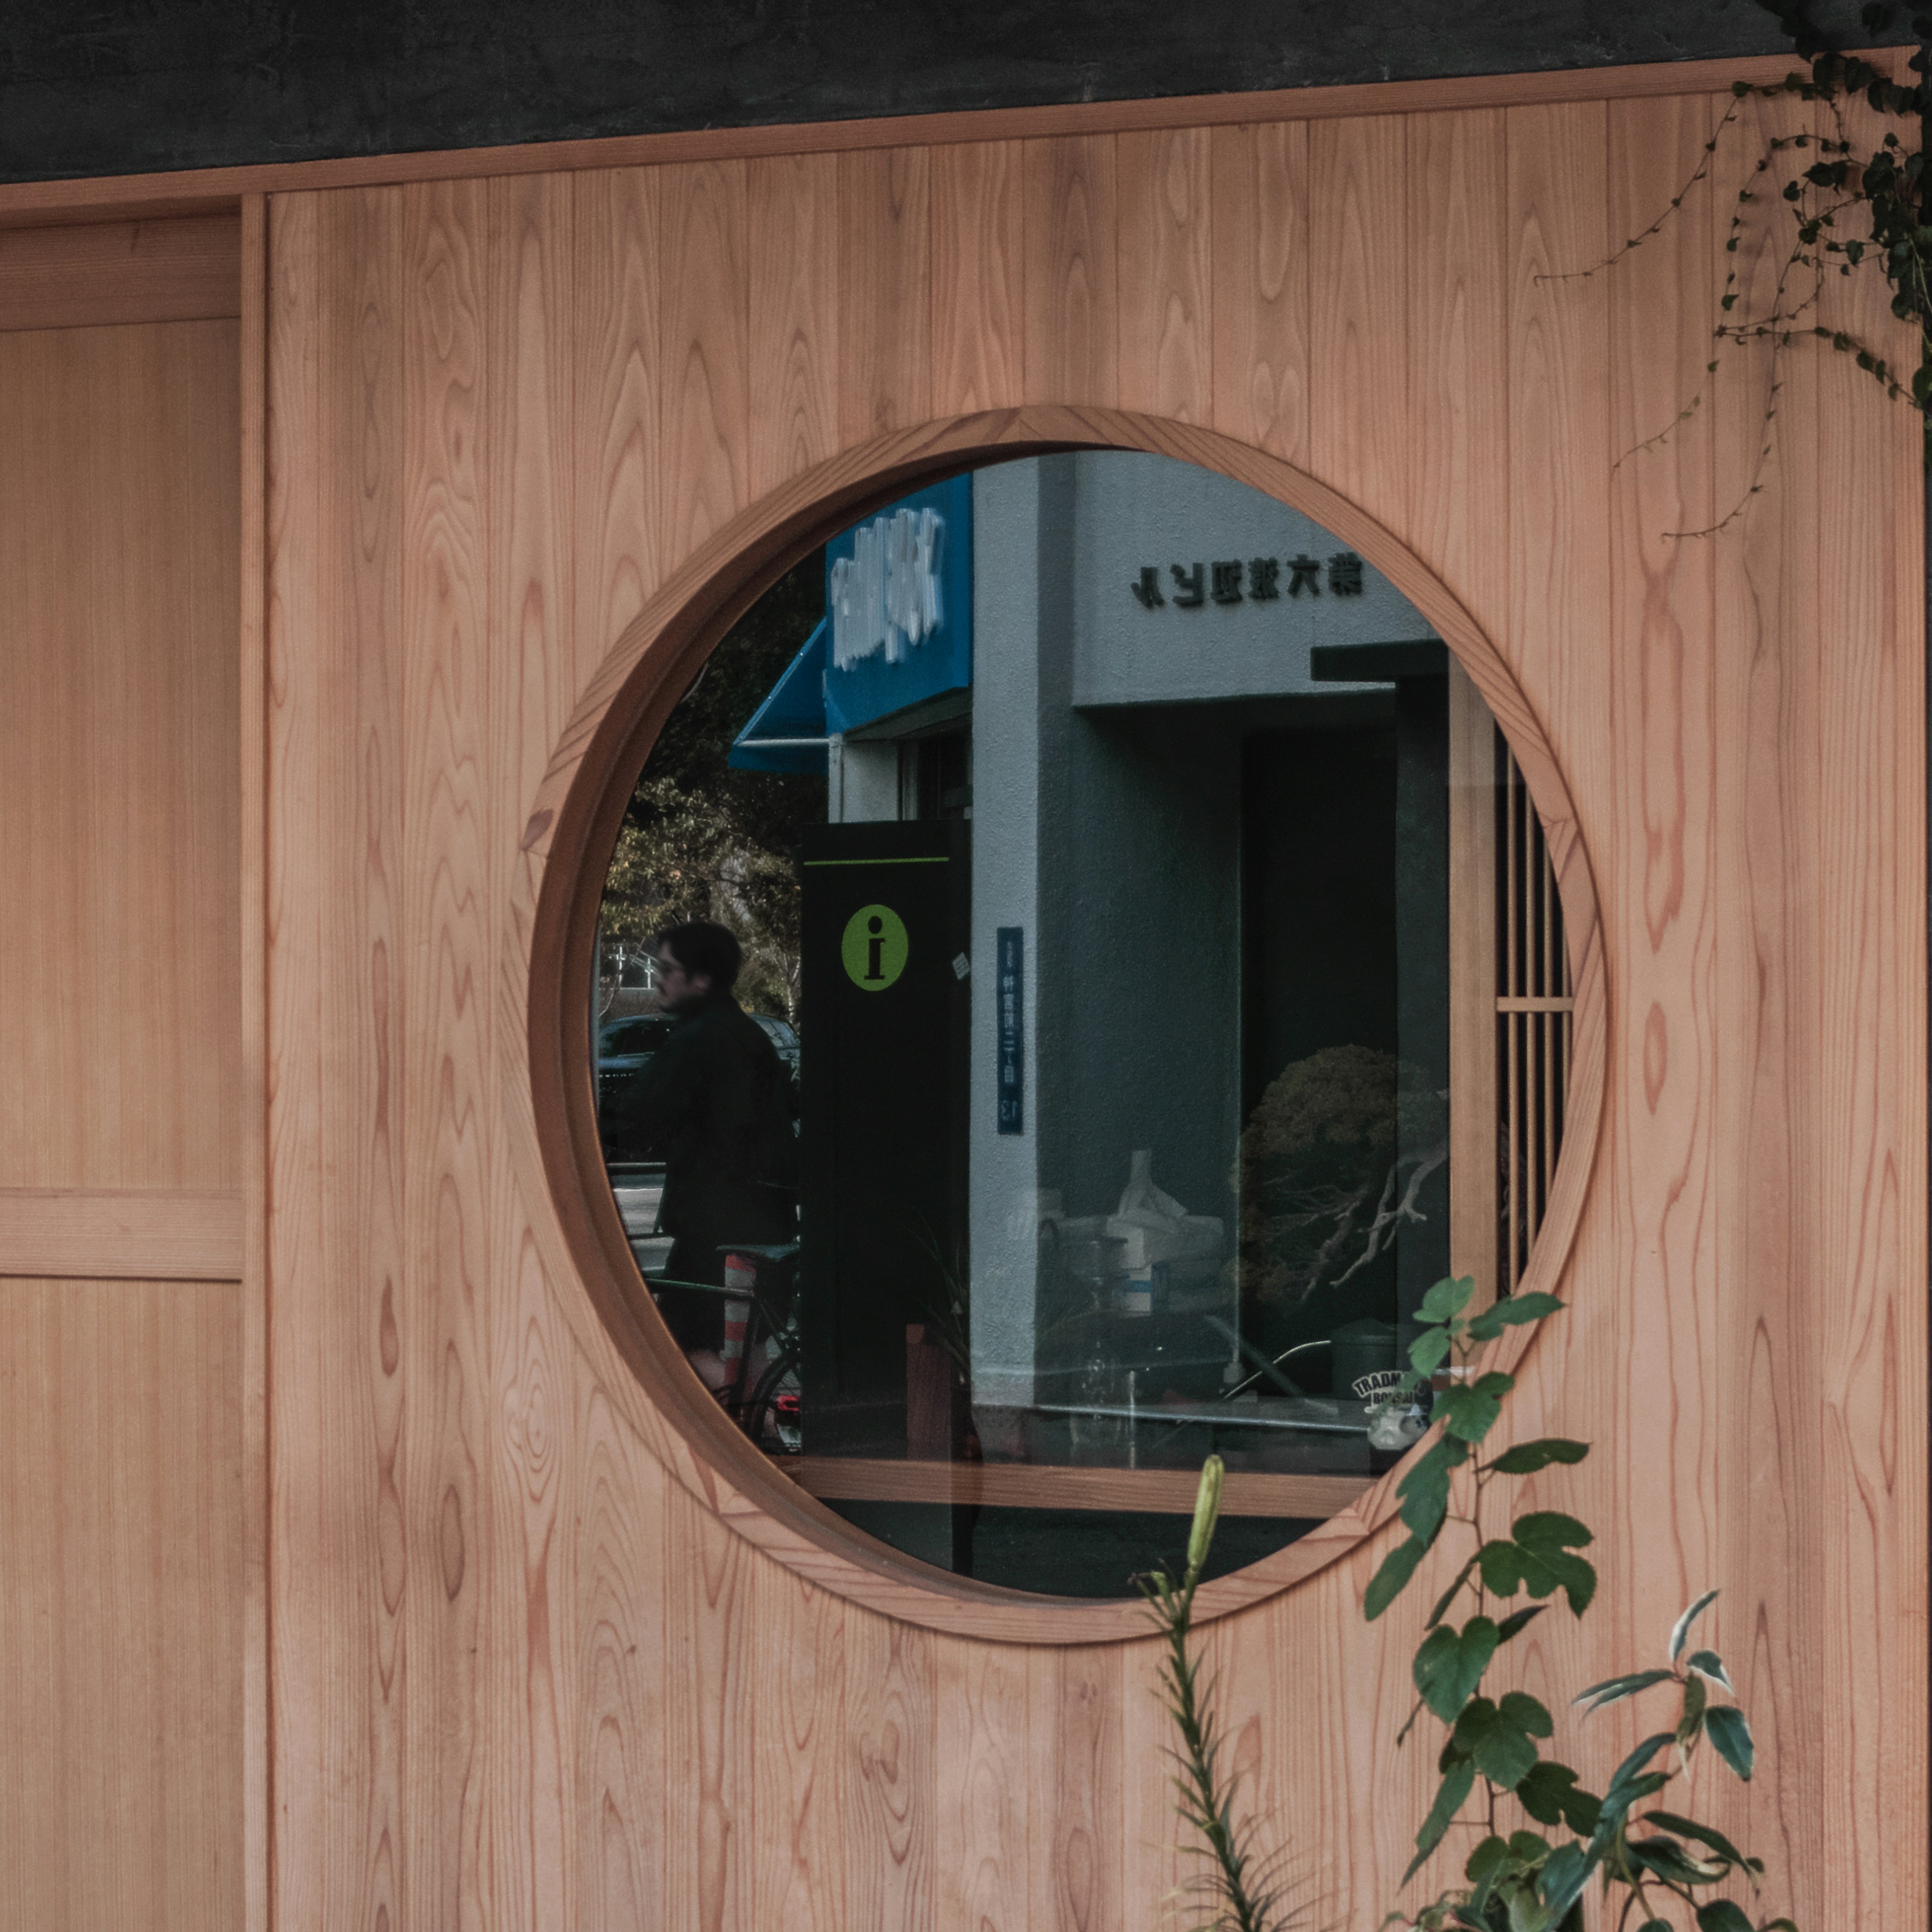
{"points": [[782, 1037], [624, 1050]]}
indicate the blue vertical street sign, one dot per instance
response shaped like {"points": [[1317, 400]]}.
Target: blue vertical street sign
{"points": [[1012, 1029]]}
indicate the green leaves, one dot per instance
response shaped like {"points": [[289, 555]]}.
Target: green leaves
{"points": [[1457, 1783], [1708, 1836], [1447, 1299], [1551, 1795], [1468, 1410], [1512, 1311], [1614, 1690], [1525, 1458], [1391, 1579], [1731, 1735], [1708, 1664], [1523, 1882], [1424, 1491], [1537, 1559], [1632, 1784], [1680, 1630], [1721, 1916], [1499, 1739], [1450, 1664]]}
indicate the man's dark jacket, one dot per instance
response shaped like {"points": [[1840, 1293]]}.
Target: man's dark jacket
{"points": [[715, 1100]]}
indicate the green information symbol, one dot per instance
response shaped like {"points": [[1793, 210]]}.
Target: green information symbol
{"points": [[874, 948]]}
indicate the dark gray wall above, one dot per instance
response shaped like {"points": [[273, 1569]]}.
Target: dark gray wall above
{"points": [[118, 88]]}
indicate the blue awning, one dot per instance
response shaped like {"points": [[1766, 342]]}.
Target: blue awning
{"points": [[787, 732]]}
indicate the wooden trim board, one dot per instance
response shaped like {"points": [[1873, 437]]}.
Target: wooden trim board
{"points": [[251, 283], [126, 1233], [1051, 1486], [201, 190], [88, 274]]}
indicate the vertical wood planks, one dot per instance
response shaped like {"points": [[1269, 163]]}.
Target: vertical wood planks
{"points": [[979, 269], [363, 1281], [519, 1470], [984, 1826], [521, 1671], [1459, 387], [795, 315], [121, 1618], [1663, 1183], [885, 290], [1072, 280], [1359, 419], [705, 480], [889, 1785], [251, 630], [1260, 214], [625, 1775], [1167, 309], [1769, 1256], [118, 529], [1869, 1323], [613, 272], [1075, 1702]]}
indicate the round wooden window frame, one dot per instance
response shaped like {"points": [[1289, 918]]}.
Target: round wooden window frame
{"points": [[543, 1023]]}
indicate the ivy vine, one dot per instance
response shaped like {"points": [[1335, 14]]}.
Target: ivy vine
{"points": [[1854, 177]]}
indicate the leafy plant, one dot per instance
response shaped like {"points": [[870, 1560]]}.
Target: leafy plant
{"points": [[1519, 1880], [1491, 1761], [1846, 179]]}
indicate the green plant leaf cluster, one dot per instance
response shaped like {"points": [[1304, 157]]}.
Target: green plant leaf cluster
{"points": [[1857, 204], [1491, 1763], [1492, 1752]]}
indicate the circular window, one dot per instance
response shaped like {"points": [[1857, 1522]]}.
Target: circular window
{"points": [[1079, 962]]}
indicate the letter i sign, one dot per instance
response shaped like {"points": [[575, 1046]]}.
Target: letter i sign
{"points": [[874, 948]]}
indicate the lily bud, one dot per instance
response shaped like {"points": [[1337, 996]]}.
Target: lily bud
{"points": [[1206, 1513]]}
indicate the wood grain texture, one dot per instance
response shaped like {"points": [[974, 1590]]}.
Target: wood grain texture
{"points": [[257, 1796], [979, 268], [1261, 217], [1071, 327], [1167, 314], [885, 291], [544, 1653], [796, 314], [118, 544], [129, 1234], [704, 460], [105, 273], [616, 417], [1360, 426], [121, 1610]]}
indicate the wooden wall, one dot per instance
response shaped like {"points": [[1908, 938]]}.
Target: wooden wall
{"points": [[524, 1674], [122, 1564], [522, 1671]]}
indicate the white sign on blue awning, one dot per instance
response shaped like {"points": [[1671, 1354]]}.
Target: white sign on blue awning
{"points": [[899, 601]]}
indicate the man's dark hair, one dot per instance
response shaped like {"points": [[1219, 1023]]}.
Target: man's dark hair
{"points": [[706, 951]]}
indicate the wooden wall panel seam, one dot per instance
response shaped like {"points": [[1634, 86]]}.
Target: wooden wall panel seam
{"points": [[257, 1874], [127, 1233]]}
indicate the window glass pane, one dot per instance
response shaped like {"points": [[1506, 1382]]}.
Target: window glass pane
{"points": [[1049, 961]]}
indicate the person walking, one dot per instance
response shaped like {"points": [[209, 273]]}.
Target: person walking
{"points": [[716, 1100]]}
